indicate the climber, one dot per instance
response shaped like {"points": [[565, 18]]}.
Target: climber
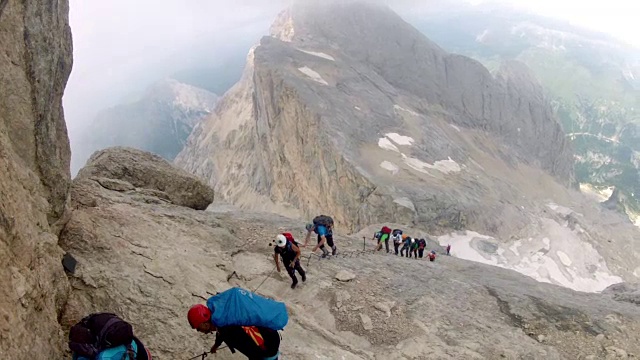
{"points": [[376, 236], [449, 250], [397, 239], [422, 243], [385, 232], [323, 226], [407, 240], [101, 336], [255, 342], [414, 248], [287, 248], [432, 255]]}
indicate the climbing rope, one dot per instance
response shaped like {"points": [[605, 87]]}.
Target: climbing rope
{"points": [[265, 279], [205, 354]]}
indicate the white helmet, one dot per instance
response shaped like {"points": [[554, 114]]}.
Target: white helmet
{"points": [[281, 241]]}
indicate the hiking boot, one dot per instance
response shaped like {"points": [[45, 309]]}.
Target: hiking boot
{"points": [[293, 286], [304, 277], [335, 250], [324, 254]]}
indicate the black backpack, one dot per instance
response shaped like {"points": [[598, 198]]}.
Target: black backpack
{"points": [[97, 332], [323, 220]]}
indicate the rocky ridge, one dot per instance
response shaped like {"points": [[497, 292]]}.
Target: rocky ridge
{"points": [[348, 110], [314, 103]]}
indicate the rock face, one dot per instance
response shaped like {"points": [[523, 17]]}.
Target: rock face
{"points": [[122, 169], [624, 292], [34, 176], [159, 122], [150, 261], [348, 110]]}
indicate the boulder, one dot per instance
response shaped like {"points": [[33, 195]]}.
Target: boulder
{"points": [[344, 275], [148, 171]]}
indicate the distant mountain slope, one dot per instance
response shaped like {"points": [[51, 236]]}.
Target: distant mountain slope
{"points": [[348, 110], [592, 79], [159, 122]]}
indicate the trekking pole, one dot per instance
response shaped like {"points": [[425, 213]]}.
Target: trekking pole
{"points": [[364, 243]]}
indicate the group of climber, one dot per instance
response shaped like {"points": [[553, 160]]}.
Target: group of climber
{"points": [[245, 321], [288, 249], [411, 247]]}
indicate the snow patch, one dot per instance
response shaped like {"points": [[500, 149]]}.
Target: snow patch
{"points": [[406, 202], [400, 139], [390, 166], [562, 258], [444, 166], [398, 107], [313, 75], [357, 108], [455, 127], [319, 54], [384, 143]]}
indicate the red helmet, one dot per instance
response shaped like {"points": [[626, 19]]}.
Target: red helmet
{"points": [[198, 314]]}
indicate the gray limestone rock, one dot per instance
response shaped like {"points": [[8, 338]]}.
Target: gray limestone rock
{"points": [[149, 171]]}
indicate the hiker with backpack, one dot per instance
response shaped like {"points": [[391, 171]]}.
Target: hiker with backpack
{"points": [[103, 336], [406, 246], [432, 255], [322, 225], [396, 234], [422, 244], [288, 249], [245, 321], [385, 233], [413, 250]]}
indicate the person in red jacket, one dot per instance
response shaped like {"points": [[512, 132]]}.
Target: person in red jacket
{"points": [[432, 255]]}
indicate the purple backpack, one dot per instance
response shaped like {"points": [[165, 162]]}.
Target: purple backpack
{"points": [[97, 332]]}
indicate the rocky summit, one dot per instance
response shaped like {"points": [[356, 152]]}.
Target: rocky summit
{"points": [[348, 110]]}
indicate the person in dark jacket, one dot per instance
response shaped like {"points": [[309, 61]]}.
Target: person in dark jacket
{"points": [[422, 244], [254, 342], [290, 254]]}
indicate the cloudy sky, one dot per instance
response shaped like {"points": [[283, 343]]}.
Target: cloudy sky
{"points": [[121, 46]]}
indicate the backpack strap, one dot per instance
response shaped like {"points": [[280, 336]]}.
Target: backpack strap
{"points": [[103, 333], [130, 354]]}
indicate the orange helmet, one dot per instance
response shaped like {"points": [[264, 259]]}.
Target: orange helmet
{"points": [[404, 236]]}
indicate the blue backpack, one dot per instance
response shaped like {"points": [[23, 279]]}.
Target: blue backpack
{"points": [[238, 306], [115, 353]]}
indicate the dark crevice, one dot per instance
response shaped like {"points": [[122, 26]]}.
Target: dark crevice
{"points": [[515, 319]]}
